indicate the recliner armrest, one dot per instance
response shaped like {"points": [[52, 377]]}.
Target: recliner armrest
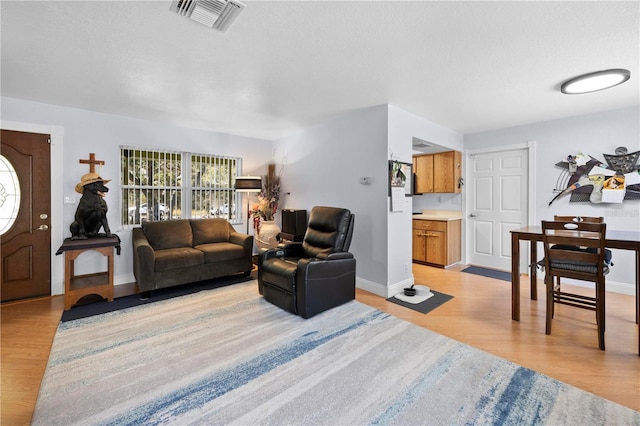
{"points": [[323, 284], [334, 256], [268, 254], [283, 250], [290, 250]]}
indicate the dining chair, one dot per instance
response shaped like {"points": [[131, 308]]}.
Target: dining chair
{"points": [[593, 219], [575, 250]]}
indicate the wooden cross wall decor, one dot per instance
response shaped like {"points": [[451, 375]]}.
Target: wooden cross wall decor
{"points": [[271, 174], [92, 162]]}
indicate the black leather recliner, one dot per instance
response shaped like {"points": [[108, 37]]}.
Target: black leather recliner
{"points": [[317, 274]]}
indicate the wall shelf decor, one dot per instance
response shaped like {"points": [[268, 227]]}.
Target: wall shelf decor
{"points": [[588, 179]]}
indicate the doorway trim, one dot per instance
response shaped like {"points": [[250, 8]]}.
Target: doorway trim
{"points": [[530, 146], [56, 133]]}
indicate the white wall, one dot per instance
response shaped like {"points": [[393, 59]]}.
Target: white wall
{"points": [[437, 202], [102, 134], [322, 165], [403, 127], [592, 134]]}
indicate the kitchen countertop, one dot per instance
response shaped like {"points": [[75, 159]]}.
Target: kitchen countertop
{"points": [[442, 215]]}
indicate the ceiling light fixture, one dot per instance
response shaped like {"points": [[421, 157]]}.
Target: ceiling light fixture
{"points": [[216, 14], [595, 81]]}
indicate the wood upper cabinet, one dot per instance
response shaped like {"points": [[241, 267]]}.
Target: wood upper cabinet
{"points": [[437, 242], [439, 172], [423, 166]]}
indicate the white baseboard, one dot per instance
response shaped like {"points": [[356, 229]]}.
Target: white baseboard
{"points": [[612, 286], [124, 279], [624, 288], [381, 289]]}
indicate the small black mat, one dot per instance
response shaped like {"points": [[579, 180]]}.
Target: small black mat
{"points": [[102, 306], [490, 273], [427, 306]]}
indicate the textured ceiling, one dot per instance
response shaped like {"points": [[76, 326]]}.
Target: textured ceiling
{"points": [[469, 66]]}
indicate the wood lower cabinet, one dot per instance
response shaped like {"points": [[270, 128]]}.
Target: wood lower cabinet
{"points": [[437, 242]]}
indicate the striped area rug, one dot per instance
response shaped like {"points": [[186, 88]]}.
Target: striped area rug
{"points": [[226, 356]]}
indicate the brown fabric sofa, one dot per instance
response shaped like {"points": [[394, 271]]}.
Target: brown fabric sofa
{"points": [[173, 252]]}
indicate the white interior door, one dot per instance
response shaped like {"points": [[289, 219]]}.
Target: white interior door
{"points": [[498, 202]]}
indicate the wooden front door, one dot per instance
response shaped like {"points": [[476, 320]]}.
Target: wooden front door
{"points": [[25, 270]]}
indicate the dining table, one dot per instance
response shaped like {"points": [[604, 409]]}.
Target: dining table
{"points": [[615, 239]]}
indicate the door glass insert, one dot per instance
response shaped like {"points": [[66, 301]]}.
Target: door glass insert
{"points": [[9, 195]]}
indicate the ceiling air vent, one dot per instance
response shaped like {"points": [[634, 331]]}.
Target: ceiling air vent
{"points": [[216, 14]]}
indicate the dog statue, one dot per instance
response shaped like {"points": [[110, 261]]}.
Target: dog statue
{"points": [[91, 214]]}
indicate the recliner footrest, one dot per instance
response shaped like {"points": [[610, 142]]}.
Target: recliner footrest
{"points": [[279, 297]]}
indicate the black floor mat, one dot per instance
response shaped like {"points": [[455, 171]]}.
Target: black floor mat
{"points": [[490, 273], [102, 306], [428, 305]]}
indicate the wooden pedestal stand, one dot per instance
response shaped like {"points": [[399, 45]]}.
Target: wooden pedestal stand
{"points": [[100, 283]]}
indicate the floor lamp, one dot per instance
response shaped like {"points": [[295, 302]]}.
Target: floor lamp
{"points": [[248, 184]]}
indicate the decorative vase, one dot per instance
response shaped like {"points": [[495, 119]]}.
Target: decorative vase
{"points": [[268, 234]]}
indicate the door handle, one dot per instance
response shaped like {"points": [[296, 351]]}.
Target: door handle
{"points": [[472, 215], [42, 228]]}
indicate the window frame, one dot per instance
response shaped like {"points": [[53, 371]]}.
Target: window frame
{"points": [[184, 187]]}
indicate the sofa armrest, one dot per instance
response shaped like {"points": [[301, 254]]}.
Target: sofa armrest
{"points": [[143, 260], [244, 240]]}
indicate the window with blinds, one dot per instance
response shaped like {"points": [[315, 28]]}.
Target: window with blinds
{"points": [[155, 185], [212, 186]]}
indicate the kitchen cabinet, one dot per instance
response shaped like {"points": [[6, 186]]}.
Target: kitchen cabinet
{"points": [[438, 173], [437, 242], [423, 168]]}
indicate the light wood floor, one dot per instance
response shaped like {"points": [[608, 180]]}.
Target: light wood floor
{"points": [[479, 315]]}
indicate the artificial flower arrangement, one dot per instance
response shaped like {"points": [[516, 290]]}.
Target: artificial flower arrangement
{"points": [[268, 198]]}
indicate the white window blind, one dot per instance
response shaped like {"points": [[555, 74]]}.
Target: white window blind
{"points": [[155, 185], [212, 186]]}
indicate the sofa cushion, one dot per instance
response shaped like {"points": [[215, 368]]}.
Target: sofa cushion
{"points": [[220, 252], [182, 257], [167, 234], [214, 230]]}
